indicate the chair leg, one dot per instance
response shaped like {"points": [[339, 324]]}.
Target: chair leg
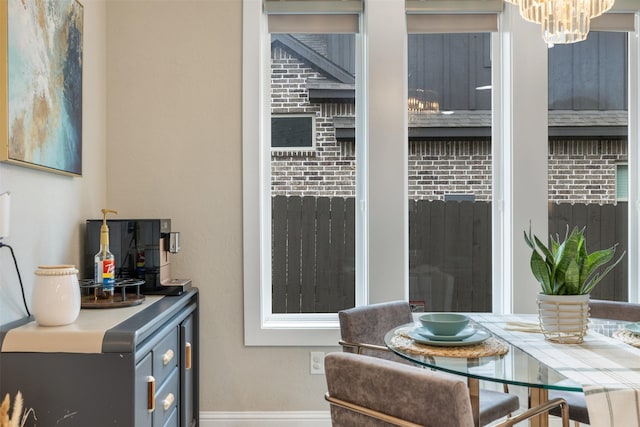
{"points": [[474, 396]]}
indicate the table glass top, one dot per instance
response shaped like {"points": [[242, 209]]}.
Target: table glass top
{"points": [[515, 367]]}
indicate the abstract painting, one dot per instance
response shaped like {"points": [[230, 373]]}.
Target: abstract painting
{"points": [[41, 123]]}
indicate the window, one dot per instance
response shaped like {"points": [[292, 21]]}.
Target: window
{"points": [[622, 182], [293, 133], [588, 147], [374, 126], [312, 190], [450, 171], [306, 216]]}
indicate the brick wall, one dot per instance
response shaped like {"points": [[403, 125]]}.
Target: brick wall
{"points": [[437, 168], [579, 171], [584, 171], [330, 170]]}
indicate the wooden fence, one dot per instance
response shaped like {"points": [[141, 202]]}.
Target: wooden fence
{"points": [[450, 255], [313, 265], [313, 257], [606, 226]]}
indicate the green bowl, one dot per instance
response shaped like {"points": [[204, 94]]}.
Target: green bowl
{"points": [[446, 324]]}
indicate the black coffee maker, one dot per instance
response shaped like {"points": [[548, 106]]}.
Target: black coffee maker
{"points": [[142, 249]]}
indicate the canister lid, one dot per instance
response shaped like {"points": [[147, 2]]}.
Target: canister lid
{"points": [[56, 270]]}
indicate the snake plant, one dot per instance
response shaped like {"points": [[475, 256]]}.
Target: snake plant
{"points": [[564, 267]]}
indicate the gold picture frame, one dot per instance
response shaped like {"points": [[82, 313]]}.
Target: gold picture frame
{"points": [[41, 50]]}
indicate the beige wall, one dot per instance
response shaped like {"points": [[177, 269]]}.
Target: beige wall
{"points": [[48, 210], [175, 150], [162, 138]]}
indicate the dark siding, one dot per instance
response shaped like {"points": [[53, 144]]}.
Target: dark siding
{"points": [[589, 75], [340, 50], [452, 66]]}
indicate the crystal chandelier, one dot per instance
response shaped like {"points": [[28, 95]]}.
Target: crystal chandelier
{"points": [[562, 21]]}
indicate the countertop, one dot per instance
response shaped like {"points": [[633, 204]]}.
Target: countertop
{"points": [[85, 335]]}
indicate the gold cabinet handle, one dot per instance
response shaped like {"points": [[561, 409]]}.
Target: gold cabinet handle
{"points": [[167, 357], [168, 401], [187, 354], [151, 393]]}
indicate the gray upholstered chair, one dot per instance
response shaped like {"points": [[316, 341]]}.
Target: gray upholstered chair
{"points": [[615, 310], [366, 391], [363, 329], [601, 309]]}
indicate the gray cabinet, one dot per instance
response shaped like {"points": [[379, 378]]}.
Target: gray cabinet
{"points": [[145, 373]]}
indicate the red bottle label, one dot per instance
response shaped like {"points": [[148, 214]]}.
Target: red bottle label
{"points": [[108, 269]]}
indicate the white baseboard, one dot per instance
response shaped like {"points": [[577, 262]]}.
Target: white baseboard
{"points": [[265, 419]]}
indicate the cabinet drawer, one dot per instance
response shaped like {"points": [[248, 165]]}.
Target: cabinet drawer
{"points": [[167, 399], [143, 404], [165, 356]]}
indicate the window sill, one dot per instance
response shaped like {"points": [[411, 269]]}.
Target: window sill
{"points": [[292, 330]]}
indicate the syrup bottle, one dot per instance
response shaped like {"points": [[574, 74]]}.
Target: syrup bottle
{"points": [[105, 262]]}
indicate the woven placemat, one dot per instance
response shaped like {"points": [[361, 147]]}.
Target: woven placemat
{"points": [[490, 347], [627, 337]]}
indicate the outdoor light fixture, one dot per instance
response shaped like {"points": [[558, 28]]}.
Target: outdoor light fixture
{"points": [[562, 21]]}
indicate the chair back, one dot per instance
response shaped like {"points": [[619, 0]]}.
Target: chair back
{"points": [[369, 324], [370, 392], [615, 310]]}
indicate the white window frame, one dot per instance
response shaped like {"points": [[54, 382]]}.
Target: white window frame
{"points": [[520, 153], [633, 249], [262, 327], [519, 150]]}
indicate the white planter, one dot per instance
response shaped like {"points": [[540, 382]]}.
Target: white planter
{"points": [[564, 318], [56, 295]]}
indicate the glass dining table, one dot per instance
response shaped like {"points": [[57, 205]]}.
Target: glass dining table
{"points": [[499, 360]]}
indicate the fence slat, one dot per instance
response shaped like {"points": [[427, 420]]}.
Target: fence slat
{"points": [[308, 286], [349, 257], [419, 254], [482, 256], [436, 233], [323, 264], [336, 253], [440, 290], [279, 256], [294, 253], [463, 259], [621, 272]]}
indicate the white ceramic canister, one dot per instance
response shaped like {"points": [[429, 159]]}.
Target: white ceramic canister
{"points": [[56, 295]]}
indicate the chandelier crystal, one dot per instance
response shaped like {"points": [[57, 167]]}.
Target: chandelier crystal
{"points": [[562, 21]]}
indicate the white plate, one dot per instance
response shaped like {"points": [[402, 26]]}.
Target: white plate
{"points": [[476, 338], [633, 328], [465, 333]]}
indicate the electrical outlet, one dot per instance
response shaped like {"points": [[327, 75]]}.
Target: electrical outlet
{"points": [[316, 362]]}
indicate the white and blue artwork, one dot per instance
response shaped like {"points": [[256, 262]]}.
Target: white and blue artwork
{"points": [[44, 49]]}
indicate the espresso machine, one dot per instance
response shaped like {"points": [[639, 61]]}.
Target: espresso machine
{"points": [[142, 250]]}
